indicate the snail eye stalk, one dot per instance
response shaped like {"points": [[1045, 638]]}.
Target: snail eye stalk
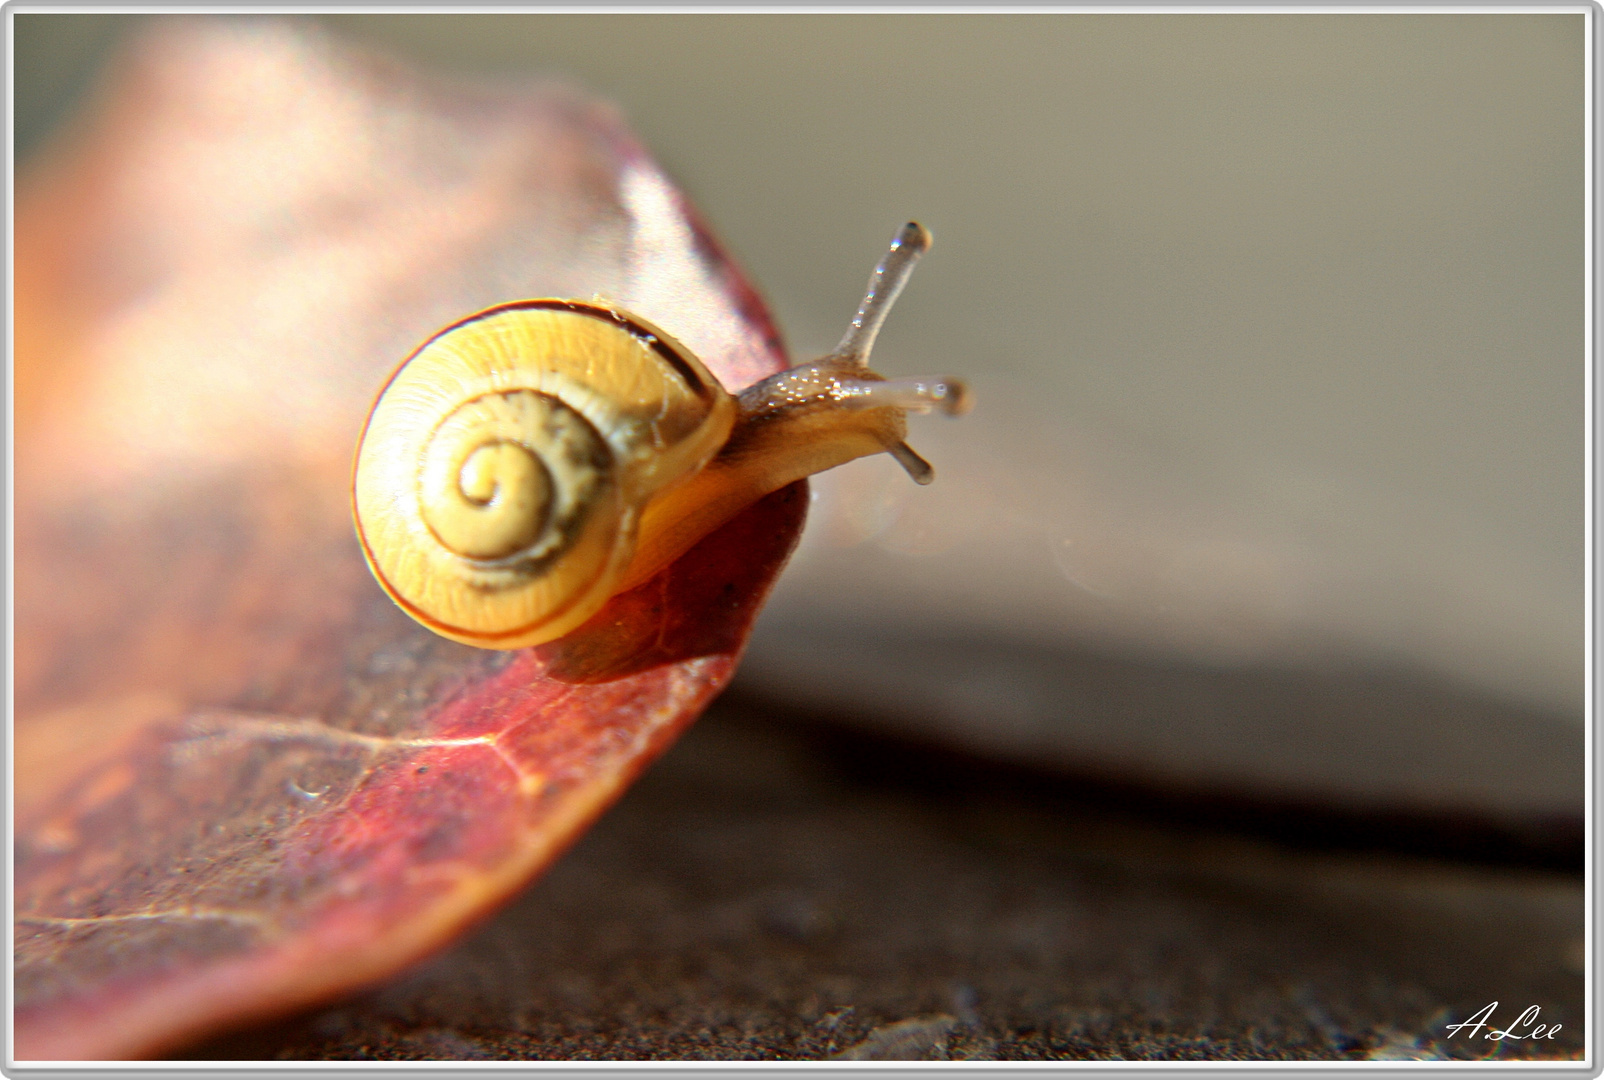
{"points": [[885, 285]]}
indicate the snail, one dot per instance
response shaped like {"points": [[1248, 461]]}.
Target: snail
{"points": [[530, 461]]}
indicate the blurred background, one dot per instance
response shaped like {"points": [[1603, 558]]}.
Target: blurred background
{"points": [[1275, 484], [1265, 540]]}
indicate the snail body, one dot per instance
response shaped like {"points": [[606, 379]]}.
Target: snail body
{"points": [[529, 462]]}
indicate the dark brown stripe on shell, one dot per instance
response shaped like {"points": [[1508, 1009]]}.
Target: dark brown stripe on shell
{"points": [[641, 333]]}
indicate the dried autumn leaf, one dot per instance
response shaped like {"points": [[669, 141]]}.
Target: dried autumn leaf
{"points": [[244, 779]]}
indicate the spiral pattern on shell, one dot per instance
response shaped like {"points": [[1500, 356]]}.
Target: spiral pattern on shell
{"points": [[501, 474], [508, 478]]}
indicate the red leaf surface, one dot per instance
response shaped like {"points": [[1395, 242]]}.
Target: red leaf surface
{"points": [[245, 780]]}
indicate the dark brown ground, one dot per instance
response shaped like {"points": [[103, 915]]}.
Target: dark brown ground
{"points": [[771, 890]]}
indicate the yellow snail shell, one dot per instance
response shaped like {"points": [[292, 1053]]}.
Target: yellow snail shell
{"points": [[531, 461]]}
